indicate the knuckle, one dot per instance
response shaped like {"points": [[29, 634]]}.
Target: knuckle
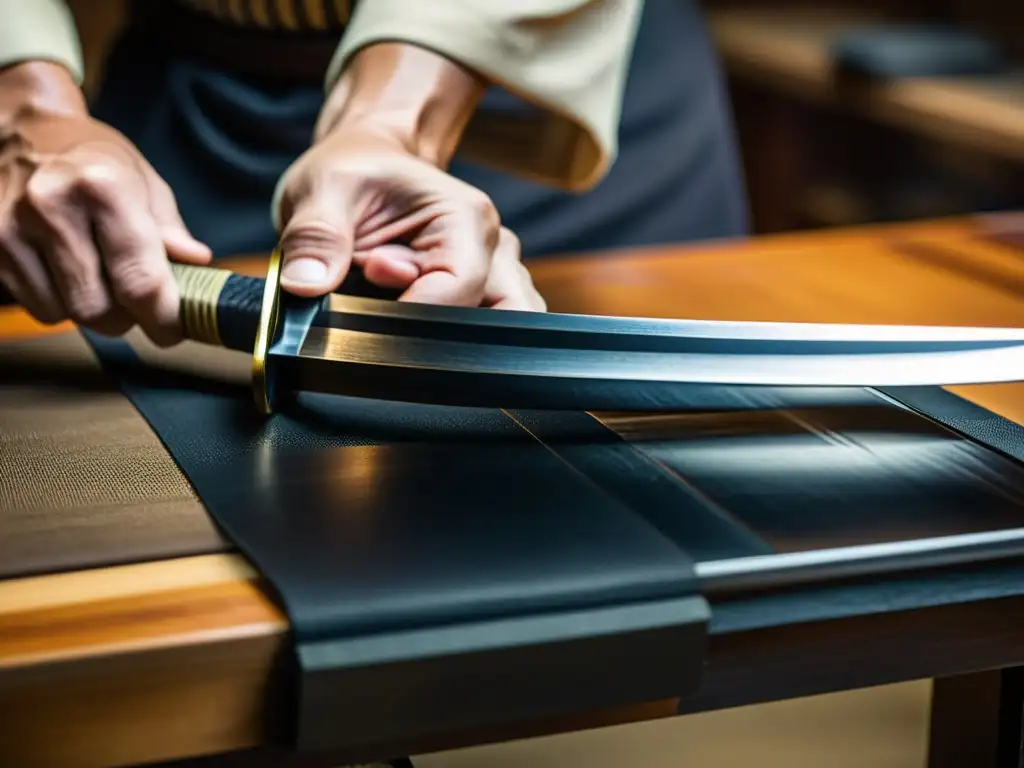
{"points": [[509, 242], [312, 232], [139, 281], [51, 185], [48, 187], [87, 307], [98, 179], [484, 210], [338, 174], [476, 276], [162, 193], [304, 184]]}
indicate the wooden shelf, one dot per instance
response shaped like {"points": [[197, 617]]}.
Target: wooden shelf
{"points": [[787, 51]]}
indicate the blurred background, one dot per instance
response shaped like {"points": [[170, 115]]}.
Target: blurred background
{"points": [[824, 150], [824, 144]]}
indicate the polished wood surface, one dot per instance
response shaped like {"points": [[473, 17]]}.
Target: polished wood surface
{"points": [[174, 658]]}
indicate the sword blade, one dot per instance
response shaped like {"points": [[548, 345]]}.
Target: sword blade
{"points": [[489, 358]]}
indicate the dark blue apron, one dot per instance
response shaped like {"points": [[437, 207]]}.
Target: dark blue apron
{"points": [[221, 140]]}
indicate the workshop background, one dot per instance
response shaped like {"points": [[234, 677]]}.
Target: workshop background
{"points": [[819, 150]]}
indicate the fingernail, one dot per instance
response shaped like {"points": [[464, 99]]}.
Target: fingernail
{"points": [[305, 271]]}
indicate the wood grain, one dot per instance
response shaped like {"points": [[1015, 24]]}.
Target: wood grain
{"points": [[174, 658]]}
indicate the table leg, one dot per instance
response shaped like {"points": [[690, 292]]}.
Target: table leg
{"points": [[977, 720]]}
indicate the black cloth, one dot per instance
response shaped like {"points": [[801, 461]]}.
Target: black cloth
{"points": [[442, 568]]}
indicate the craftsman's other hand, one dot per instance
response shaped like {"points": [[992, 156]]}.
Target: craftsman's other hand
{"points": [[373, 191], [358, 198], [86, 224]]}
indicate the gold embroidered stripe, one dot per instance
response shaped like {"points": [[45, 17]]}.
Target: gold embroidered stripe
{"points": [[294, 15]]}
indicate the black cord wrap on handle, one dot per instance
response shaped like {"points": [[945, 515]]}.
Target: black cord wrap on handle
{"points": [[238, 311]]}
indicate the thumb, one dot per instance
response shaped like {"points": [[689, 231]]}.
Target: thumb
{"points": [[178, 241], [316, 245]]}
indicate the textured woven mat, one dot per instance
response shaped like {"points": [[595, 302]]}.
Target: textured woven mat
{"points": [[84, 481]]}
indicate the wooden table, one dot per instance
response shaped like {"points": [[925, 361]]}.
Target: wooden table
{"points": [[175, 658]]}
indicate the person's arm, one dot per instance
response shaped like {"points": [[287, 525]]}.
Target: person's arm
{"points": [[568, 58], [422, 99], [40, 30], [86, 224], [402, 94]]}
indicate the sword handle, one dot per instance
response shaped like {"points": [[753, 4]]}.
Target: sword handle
{"points": [[219, 307], [222, 308]]}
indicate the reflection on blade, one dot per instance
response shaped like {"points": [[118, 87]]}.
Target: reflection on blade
{"points": [[392, 350], [1001, 363]]}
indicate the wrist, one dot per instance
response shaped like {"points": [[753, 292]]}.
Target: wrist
{"points": [[417, 97], [38, 87]]}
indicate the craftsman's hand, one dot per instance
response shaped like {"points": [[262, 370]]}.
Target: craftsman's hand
{"points": [[355, 193], [372, 192], [86, 225]]}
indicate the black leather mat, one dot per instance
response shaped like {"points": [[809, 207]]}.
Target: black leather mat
{"points": [[440, 567], [861, 470]]}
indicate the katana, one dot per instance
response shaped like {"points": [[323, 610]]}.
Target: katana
{"points": [[390, 350]]}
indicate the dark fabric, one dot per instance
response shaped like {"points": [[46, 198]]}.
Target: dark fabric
{"points": [[444, 545], [308, 477], [222, 141], [857, 471], [648, 487], [238, 311]]}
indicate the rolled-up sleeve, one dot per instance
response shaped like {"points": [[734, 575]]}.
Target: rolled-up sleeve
{"points": [[40, 30], [567, 58]]}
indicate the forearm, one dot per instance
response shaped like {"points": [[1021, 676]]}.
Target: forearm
{"points": [[418, 97], [33, 87], [567, 57]]}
